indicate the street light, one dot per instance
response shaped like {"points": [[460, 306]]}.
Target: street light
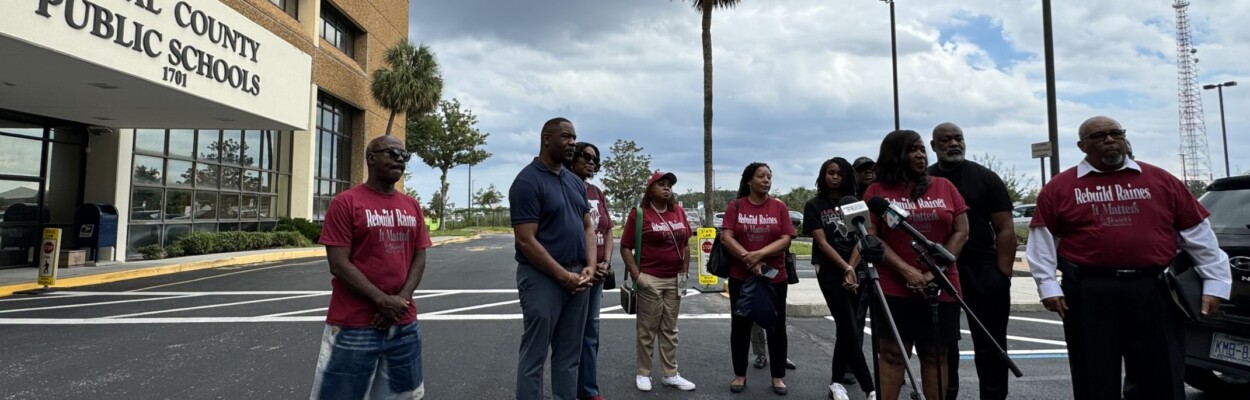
{"points": [[1219, 87], [894, 60]]}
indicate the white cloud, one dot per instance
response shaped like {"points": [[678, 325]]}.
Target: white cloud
{"points": [[800, 81]]}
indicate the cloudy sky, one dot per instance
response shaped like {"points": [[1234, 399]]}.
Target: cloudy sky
{"points": [[800, 81]]}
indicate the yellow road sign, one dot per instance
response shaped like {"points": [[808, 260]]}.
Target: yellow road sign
{"points": [[49, 256], [706, 237]]}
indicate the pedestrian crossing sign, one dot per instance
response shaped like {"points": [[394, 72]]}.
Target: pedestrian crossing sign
{"points": [[49, 256]]}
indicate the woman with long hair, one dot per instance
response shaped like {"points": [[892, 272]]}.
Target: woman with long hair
{"points": [[757, 232], [939, 213], [839, 272], [660, 276], [585, 164]]}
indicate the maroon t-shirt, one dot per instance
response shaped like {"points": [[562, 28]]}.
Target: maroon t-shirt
{"points": [[383, 232], [600, 217], [933, 215], [755, 227], [665, 237], [1123, 219]]}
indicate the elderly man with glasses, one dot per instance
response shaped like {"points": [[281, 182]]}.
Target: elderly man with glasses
{"points": [[1111, 225]]}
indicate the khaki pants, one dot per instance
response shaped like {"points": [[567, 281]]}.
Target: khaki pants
{"points": [[658, 303]]}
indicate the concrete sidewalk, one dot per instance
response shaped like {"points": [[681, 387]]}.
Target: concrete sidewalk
{"points": [[21, 279], [805, 299]]}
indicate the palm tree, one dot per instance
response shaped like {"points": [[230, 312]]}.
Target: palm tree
{"points": [[409, 83], [705, 7]]}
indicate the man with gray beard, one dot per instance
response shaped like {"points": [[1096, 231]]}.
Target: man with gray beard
{"points": [[986, 260]]}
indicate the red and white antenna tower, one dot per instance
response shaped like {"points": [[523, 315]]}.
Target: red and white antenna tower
{"points": [[1194, 150]]}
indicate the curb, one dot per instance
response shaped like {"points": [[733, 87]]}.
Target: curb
{"points": [[116, 276]]}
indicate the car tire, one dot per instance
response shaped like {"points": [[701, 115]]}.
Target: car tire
{"points": [[1218, 386]]}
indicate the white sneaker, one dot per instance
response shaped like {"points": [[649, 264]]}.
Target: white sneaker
{"points": [[838, 392], [678, 382], [643, 382], [872, 395]]}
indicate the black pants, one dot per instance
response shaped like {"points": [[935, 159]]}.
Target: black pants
{"points": [[1114, 319], [740, 331], [844, 306], [988, 293]]}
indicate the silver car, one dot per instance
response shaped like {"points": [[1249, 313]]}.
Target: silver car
{"points": [[1022, 215]]}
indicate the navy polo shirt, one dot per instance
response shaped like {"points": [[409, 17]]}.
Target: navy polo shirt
{"points": [[556, 201]]}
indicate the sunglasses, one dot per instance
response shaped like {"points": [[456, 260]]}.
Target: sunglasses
{"points": [[396, 154], [587, 157], [1102, 135]]}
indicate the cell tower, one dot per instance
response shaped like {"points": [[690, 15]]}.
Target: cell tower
{"points": [[1194, 151]]}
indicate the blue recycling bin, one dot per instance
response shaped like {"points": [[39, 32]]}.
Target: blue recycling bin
{"points": [[97, 227]]}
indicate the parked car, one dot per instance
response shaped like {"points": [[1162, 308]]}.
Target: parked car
{"points": [[718, 220], [796, 218], [694, 218], [1022, 215], [1217, 348]]}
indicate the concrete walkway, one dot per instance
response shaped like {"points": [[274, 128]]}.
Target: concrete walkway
{"points": [[21, 279], [805, 299]]}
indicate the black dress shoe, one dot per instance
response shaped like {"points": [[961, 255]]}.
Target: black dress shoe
{"points": [[790, 364], [738, 388], [760, 362], [781, 390]]}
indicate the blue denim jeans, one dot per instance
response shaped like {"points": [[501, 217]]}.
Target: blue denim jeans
{"points": [[366, 363], [587, 380]]}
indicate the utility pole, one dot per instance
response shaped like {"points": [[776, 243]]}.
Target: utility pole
{"points": [[1052, 110]]}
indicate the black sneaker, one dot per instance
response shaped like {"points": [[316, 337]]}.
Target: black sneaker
{"points": [[790, 364], [849, 379], [760, 362]]}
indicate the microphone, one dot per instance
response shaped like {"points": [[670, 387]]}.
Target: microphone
{"points": [[896, 218], [856, 213]]}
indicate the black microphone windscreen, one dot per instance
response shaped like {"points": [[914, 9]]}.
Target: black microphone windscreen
{"points": [[878, 205], [847, 200]]}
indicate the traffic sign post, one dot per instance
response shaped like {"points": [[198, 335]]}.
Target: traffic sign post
{"points": [[707, 281], [49, 256], [1041, 151]]}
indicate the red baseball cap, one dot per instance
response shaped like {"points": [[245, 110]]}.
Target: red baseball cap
{"points": [[658, 175]]}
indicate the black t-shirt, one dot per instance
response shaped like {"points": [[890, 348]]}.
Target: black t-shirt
{"points": [[822, 213], [985, 194]]}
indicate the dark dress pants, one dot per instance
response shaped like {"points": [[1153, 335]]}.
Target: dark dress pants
{"points": [[988, 293]]}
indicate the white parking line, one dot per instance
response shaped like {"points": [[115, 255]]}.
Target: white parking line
{"points": [[97, 304], [210, 306], [456, 310], [298, 312], [220, 320], [45, 296]]}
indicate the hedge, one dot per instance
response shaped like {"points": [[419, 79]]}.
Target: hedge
{"points": [[309, 229], [197, 243]]}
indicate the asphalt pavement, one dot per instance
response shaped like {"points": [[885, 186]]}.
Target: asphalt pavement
{"points": [[253, 331]]}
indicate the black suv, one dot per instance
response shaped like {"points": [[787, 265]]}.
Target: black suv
{"points": [[1217, 349]]}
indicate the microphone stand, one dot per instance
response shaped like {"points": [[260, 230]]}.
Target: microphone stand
{"points": [[942, 283], [875, 286]]}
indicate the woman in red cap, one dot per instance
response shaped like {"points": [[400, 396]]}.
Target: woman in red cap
{"points": [[659, 276]]}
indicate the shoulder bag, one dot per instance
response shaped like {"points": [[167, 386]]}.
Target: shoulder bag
{"points": [[718, 260], [629, 292]]}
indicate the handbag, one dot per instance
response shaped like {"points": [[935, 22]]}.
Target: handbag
{"points": [[609, 280], [629, 292], [1184, 286], [756, 302], [718, 260], [792, 274]]}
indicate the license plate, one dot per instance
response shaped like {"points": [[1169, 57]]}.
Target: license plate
{"points": [[1234, 349]]}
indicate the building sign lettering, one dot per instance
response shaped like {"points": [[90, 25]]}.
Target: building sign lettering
{"points": [[225, 62]]}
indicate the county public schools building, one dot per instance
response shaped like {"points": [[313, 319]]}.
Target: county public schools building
{"points": [[185, 115]]}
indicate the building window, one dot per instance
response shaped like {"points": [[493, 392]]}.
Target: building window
{"points": [[290, 7], [334, 146], [205, 180], [337, 29]]}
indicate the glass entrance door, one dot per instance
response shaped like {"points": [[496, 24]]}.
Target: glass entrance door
{"points": [[40, 183]]}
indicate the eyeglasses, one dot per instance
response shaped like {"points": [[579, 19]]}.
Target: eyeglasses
{"points": [[1099, 136], [587, 157], [396, 153]]}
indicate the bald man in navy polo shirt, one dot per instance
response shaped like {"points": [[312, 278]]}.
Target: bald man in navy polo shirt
{"points": [[555, 264]]}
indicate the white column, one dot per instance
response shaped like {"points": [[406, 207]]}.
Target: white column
{"points": [[109, 158]]}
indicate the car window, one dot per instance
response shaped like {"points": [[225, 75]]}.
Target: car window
{"points": [[1227, 208], [1017, 214]]}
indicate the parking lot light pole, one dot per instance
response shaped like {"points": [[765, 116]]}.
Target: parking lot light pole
{"points": [[894, 60], [1219, 87]]}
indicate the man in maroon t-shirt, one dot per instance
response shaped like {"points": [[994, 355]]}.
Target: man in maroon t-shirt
{"points": [[1112, 224], [375, 238]]}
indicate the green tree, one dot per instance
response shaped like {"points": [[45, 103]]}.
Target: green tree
{"points": [[488, 197], [705, 8], [446, 139], [409, 83], [1018, 185], [434, 209], [408, 190], [1198, 188], [625, 174], [797, 197]]}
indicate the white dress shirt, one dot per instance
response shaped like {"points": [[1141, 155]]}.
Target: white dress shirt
{"points": [[1199, 241]]}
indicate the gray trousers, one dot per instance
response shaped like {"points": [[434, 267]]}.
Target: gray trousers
{"points": [[554, 318]]}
